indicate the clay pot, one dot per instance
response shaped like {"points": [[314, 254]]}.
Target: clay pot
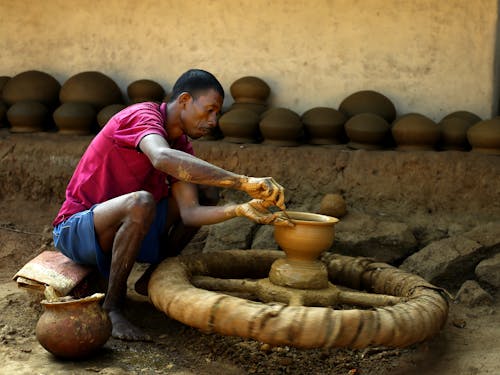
{"points": [[3, 113], [32, 85], [258, 108], [368, 101], [75, 118], [470, 117], [454, 133], [145, 90], [281, 127], [107, 112], [333, 205], [240, 126], [3, 81], [250, 89], [75, 328], [27, 117], [324, 125], [93, 88], [367, 131], [415, 132], [485, 136]]}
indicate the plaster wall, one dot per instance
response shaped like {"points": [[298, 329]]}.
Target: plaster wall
{"points": [[428, 56]]}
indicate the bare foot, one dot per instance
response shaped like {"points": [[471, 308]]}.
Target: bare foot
{"points": [[124, 330]]}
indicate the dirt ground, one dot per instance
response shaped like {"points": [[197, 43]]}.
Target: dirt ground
{"points": [[468, 344]]}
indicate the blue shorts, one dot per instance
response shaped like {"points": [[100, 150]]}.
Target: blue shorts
{"points": [[76, 238]]}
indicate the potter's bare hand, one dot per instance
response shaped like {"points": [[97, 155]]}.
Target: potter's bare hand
{"points": [[257, 211], [265, 188]]}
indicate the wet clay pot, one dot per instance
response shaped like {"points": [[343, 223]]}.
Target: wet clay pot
{"points": [[281, 127], [73, 329], [240, 126], [107, 112], [27, 117], [333, 205], [485, 136], [32, 85], [454, 134], [75, 118], [415, 132], [258, 108], [470, 117], [144, 90], [250, 89], [324, 125], [367, 131], [94, 88], [3, 81], [368, 101]]}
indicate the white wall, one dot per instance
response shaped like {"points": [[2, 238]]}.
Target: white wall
{"points": [[428, 56]]}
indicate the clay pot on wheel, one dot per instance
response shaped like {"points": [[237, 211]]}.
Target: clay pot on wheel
{"points": [[485, 136], [281, 127], [324, 125], [250, 89], [27, 117], [240, 126], [367, 131], [368, 101], [73, 328], [75, 118], [415, 132], [144, 90]]}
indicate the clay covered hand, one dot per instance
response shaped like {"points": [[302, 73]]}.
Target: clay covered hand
{"points": [[266, 189], [257, 210]]}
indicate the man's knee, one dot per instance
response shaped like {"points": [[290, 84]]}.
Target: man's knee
{"points": [[141, 206]]}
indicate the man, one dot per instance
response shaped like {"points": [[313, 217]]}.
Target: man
{"points": [[134, 196]]}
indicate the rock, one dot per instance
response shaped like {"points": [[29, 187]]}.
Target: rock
{"points": [[232, 234], [450, 261], [488, 235], [471, 294], [358, 234], [264, 238], [333, 205], [488, 271]]}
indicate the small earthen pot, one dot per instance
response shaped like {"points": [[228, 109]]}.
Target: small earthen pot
{"points": [[34, 86], [144, 90], [75, 118], [27, 117], [240, 126], [73, 329], [107, 112], [454, 134], [94, 88], [414, 131], [324, 125], [333, 205], [258, 108], [281, 127], [485, 136], [367, 131], [368, 101], [3, 81], [470, 117], [250, 89]]}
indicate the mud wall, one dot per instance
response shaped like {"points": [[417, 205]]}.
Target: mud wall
{"points": [[428, 56]]}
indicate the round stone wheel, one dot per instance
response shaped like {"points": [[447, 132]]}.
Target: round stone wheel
{"points": [[34, 86], [27, 117]]}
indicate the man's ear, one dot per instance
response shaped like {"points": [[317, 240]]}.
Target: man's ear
{"points": [[184, 98]]}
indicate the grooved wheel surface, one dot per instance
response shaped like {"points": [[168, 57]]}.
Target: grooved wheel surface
{"points": [[416, 310]]}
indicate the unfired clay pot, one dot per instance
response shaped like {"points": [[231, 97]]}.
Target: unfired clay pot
{"points": [[454, 133], [75, 118], [485, 136], [367, 131], [107, 112], [144, 90], [258, 108], [27, 117], [93, 88], [333, 205], [324, 125], [3, 81], [32, 85], [73, 329], [281, 127], [240, 126], [470, 117], [368, 101], [250, 89], [415, 132]]}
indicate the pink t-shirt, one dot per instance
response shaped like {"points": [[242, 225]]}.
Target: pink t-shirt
{"points": [[112, 165]]}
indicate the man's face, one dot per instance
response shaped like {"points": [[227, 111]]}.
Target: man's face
{"points": [[199, 116]]}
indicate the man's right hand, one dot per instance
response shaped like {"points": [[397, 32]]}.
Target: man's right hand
{"points": [[266, 189]]}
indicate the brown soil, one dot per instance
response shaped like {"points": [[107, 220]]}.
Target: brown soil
{"points": [[468, 344]]}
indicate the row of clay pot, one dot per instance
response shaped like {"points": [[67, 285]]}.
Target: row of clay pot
{"points": [[85, 100]]}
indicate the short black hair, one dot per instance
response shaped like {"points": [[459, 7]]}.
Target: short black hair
{"points": [[195, 81]]}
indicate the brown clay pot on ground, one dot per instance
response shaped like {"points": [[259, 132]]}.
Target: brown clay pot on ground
{"points": [[75, 118], [414, 131], [32, 85], [107, 112], [258, 108], [240, 126], [333, 205], [250, 89], [73, 329], [93, 88], [367, 131], [281, 127], [485, 136], [27, 117], [324, 125], [368, 101], [145, 90]]}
